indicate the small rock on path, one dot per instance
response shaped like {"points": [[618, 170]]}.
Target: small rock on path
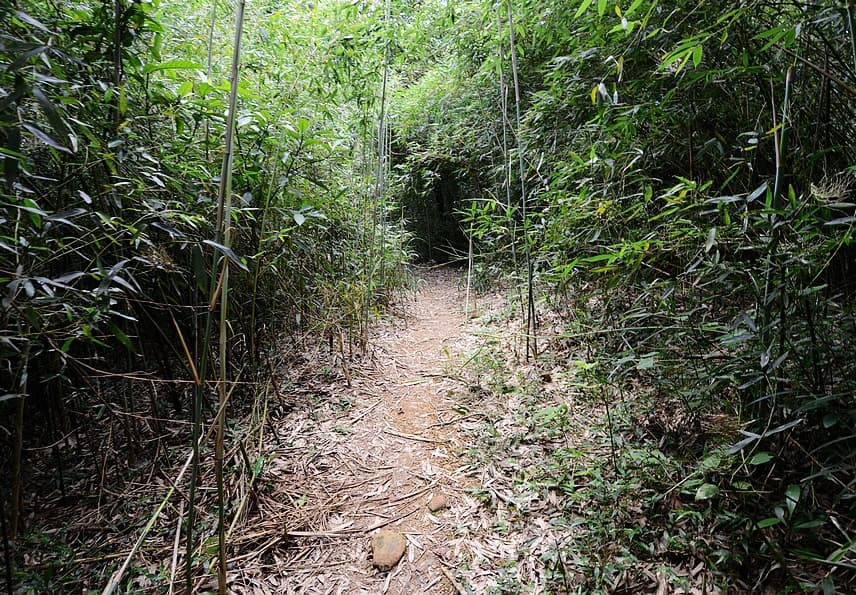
{"points": [[387, 549]]}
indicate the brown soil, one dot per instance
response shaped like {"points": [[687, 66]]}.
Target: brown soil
{"points": [[370, 457]]}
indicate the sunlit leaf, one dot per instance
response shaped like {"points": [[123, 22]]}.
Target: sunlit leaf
{"points": [[583, 7], [172, 65]]}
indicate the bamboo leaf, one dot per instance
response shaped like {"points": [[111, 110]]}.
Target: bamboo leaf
{"points": [[31, 21], [711, 239], [792, 497], [583, 7], [760, 458], [228, 252], [172, 65], [121, 336], [841, 221], [46, 138], [697, 51]]}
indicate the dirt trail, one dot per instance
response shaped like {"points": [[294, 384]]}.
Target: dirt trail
{"points": [[371, 456]]}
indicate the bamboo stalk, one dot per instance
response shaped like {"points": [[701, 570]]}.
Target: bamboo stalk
{"points": [[19, 443], [209, 68], [506, 171], [378, 188], [531, 330], [225, 206], [203, 350], [176, 543]]}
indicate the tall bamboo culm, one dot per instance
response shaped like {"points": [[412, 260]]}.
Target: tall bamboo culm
{"points": [[202, 349], [531, 324], [379, 175], [224, 201], [506, 167]]}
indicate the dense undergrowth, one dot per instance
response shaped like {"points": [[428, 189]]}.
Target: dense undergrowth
{"points": [[112, 124], [674, 191], [593, 486]]}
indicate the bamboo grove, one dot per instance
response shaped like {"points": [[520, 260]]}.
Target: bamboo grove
{"points": [[190, 191], [182, 202], [676, 182]]}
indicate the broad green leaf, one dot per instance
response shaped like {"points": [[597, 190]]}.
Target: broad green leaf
{"points": [[769, 522], [35, 213], [601, 7], [711, 462], [706, 491], [759, 458], [697, 50]]}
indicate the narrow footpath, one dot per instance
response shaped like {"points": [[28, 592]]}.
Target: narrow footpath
{"points": [[372, 468]]}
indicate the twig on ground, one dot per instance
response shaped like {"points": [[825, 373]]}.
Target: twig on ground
{"points": [[392, 432]]}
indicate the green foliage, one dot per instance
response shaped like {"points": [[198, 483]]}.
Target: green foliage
{"points": [[111, 130], [690, 184]]}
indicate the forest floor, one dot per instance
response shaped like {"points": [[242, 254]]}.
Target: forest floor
{"points": [[372, 456], [516, 458], [490, 473]]}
